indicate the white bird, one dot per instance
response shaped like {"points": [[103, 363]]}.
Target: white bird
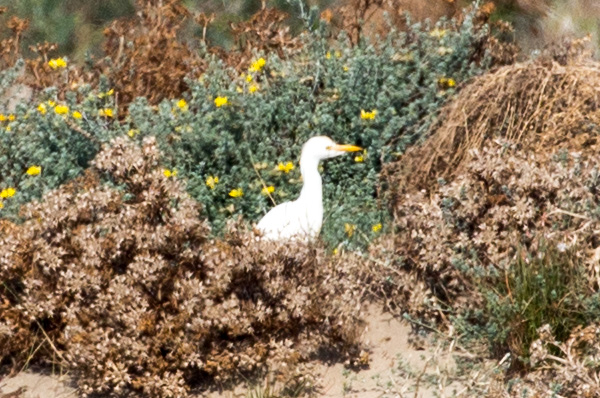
{"points": [[302, 218]]}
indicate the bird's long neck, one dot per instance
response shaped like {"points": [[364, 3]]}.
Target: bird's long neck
{"points": [[312, 188]]}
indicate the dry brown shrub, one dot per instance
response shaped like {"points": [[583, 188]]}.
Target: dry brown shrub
{"points": [[147, 58], [9, 47], [537, 105], [503, 200], [572, 365], [365, 18], [147, 55], [265, 32], [123, 288]]}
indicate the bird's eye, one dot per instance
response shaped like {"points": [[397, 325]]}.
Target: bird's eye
{"points": [[328, 147]]}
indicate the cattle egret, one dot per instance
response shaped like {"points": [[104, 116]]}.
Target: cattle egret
{"points": [[302, 218]]}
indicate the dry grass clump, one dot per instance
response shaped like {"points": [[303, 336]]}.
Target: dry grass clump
{"points": [[539, 105], [503, 200], [120, 285]]}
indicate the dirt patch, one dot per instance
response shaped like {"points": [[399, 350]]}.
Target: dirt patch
{"points": [[396, 366], [34, 385]]}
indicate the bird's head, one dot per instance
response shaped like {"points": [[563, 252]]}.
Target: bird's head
{"points": [[321, 147]]}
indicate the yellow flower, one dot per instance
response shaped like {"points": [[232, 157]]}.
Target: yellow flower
{"points": [[446, 82], [61, 109], [106, 112], [7, 193], [220, 101], [1, 205], [249, 78], [239, 89], [236, 193], [11, 117], [268, 190], [335, 251], [286, 168], [2, 117], [76, 115], [368, 115], [51, 103], [253, 88], [377, 227], [57, 63], [437, 33], [349, 229], [34, 170], [8, 128], [212, 181], [328, 55], [168, 173], [182, 104], [106, 94], [133, 132], [258, 65], [338, 54], [359, 159], [41, 109]]}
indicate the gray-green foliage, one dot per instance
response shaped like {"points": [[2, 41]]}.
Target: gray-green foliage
{"points": [[62, 145], [8, 78], [320, 91]]}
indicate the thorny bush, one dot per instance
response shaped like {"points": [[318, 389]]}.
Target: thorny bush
{"points": [[120, 284]]}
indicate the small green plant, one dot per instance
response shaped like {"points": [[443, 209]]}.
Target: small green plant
{"points": [[545, 285]]}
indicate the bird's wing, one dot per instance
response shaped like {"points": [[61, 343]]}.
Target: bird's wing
{"points": [[281, 222]]}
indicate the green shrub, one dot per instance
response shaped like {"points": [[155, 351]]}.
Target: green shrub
{"points": [[319, 91], [548, 285], [49, 135]]}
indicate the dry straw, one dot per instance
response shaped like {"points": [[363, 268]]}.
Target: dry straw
{"points": [[536, 106]]}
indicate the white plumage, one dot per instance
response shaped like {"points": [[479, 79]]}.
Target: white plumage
{"points": [[303, 217]]}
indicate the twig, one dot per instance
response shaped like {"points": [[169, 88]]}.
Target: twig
{"points": [[568, 213], [264, 184], [420, 376]]}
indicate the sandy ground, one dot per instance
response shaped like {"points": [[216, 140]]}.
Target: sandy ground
{"points": [[396, 370]]}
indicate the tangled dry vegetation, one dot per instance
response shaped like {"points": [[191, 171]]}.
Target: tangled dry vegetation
{"points": [[501, 201], [572, 364], [510, 168], [120, 285]]}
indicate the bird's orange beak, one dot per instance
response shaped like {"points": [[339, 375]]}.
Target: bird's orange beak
{"points": [[345, 148]]}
